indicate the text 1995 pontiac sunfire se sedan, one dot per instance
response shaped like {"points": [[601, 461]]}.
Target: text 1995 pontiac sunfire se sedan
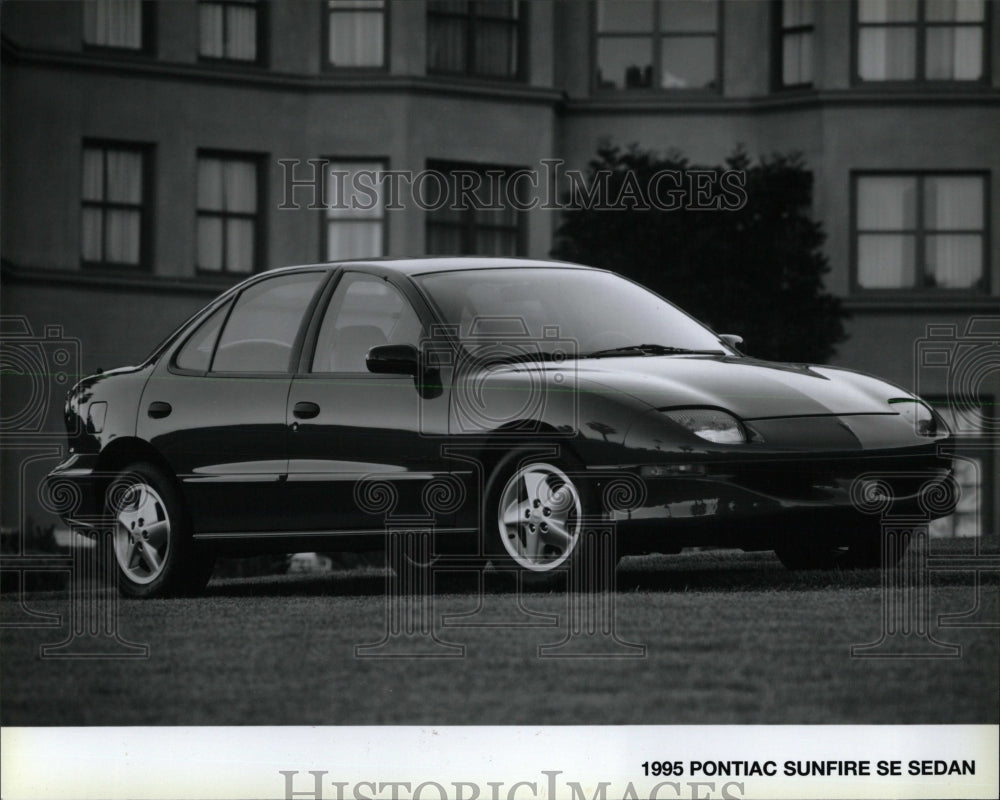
{"points": [[504, 404]]}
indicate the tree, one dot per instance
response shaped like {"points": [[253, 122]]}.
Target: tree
{"points": [[756, 270]]}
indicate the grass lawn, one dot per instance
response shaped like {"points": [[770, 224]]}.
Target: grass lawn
{"points": [[729, 637]]}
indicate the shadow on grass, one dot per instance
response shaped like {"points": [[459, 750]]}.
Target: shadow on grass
{"points": [[709, 570]]}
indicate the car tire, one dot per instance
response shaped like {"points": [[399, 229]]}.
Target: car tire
{"points": [[155, 555], [533, 515]]}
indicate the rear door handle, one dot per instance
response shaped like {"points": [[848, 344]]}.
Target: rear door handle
{"points": [[305, 410], [158, 409]]}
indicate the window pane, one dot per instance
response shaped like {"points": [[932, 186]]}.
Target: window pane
{"points": [[240, 186], [356, 36], [886, 262], [625, 16], [93, 174], [261, 331], [887, 54], [493, 242], [688, 62], [241, 33], [887, 11], [888, 203], [211, 31], [796, 58], [495, 48], [196, 353], [446, 39], [362, 191], [210, 193], [113, 23], [210, 243], [796, 12], [497, 9], [90, 235], [239, 245], [124, 176], [122, 244], [953, 203], [954, 261], [444, 240], [955, 53], [688, 15], [363, 313], [955, 10], [624, 62], [355, 239]]}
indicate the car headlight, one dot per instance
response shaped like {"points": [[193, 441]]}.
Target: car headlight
{"points": [[924, 421], [710, 424]]}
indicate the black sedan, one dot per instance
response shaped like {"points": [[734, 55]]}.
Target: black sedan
{"points": [[504, 405]]}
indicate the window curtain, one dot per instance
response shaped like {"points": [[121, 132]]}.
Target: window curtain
{"points": [[111, 179], [353, 232], [211, 30], [226, 188], [113, 23], [495, 48], [886, 255], [955, 53], [887, 54], [954, 203], [241, 33], [356, 33]]}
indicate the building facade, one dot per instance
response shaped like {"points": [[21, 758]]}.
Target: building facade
{"points": [[156, 152]]}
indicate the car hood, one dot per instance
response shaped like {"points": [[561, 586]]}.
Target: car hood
{"points": [[747, 387]]}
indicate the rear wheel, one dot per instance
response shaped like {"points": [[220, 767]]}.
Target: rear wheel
{"points": [[151, 536]]}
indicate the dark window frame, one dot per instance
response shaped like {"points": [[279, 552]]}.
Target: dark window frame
{"points": [[260, 161], [327, 66], [657, 35], [468, 224], [920, 233], [145, 208], [325, 220], [778, 34], [920, 26], [148, 27], [261, 9], [470, 18]]}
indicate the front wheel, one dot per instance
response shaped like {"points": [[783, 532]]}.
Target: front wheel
{"points": [[535, 509], [151, 536]]}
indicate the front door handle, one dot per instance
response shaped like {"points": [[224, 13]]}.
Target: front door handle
{"points": [[305, 410], [158, 409]]}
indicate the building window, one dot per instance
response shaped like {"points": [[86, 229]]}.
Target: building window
{"points": [[920, 231], [796, 30], [472, 215], [354, 226], [114, 205], [907, 40], [355, 33], [229, 30], [666, 44], [480, 39], [115, 23], [229, 229]]}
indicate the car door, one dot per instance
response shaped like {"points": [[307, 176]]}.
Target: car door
{"points": [[215, 407], [349, 427]]}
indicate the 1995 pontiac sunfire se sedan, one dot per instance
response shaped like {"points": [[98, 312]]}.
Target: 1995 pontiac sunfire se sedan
{"points": [[505, 404]]}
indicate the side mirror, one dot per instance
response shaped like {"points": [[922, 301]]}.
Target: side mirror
{"points": [[732, 340], [393, 359]]}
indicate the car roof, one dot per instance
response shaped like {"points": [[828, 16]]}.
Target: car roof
{"points": [[424, 265]]}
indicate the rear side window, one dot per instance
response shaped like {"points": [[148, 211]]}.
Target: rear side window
{"points": [[196, 354], [260, 333]]}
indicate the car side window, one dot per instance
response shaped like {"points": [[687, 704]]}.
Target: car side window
{"points": [[260, 333], [363, 313], [196, 354]]}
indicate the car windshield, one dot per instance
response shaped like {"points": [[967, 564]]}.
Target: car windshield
{"points": [[574, 311]]}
